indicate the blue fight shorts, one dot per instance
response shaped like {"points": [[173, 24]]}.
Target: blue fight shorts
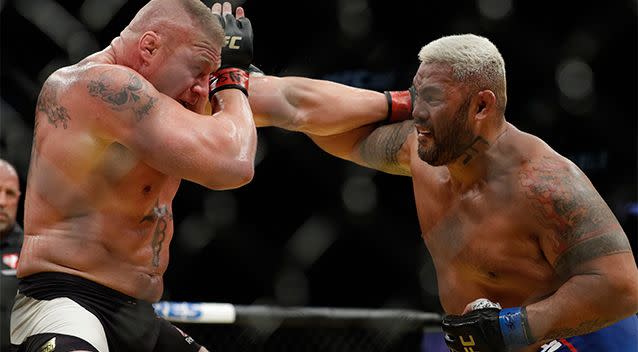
{"points": [[620, 337]]}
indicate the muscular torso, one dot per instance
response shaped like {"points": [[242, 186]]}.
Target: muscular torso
{"points": [[92, 208], [483, 240]]}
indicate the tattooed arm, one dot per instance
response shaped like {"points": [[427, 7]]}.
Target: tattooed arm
{"points": [[385, 148], [587, 247], [217, 152]]}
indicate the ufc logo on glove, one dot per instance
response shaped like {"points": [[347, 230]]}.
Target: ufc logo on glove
{"points": [[231, 41]]}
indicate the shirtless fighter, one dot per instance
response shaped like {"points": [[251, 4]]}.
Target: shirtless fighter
{"points": [[506, 219], [114, 135]]}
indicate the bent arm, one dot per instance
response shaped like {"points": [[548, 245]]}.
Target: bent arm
{"points": [[215, 151], [587, 247], [314, 106], [385, 148]]}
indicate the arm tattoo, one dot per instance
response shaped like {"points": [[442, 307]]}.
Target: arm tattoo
{"points": [[381, 148], [582, 328], [123, 96], [161, 214], [48, 104], [582, 224]]}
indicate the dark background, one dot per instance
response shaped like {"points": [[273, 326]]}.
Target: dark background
{"points": [[312, 230]]}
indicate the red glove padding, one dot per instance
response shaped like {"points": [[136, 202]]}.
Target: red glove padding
{"points": [[227, 78], [400, 105]]}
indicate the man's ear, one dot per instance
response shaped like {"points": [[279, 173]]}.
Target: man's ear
{"points": [[148, 45], [485, 104]]}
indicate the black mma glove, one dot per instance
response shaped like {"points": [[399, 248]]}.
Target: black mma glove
{"points": [[238, 46], [237, 55], [487, 330], [400, 105]]}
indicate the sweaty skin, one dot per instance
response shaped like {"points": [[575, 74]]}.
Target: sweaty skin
{"points": [[503, 216], [114, 135]]}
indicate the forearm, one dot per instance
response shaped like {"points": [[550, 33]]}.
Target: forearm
{"points": [[583, 304], [314, 106], [240, 142], [385, 148]]}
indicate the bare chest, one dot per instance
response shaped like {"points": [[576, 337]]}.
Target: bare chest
{"points": [[478, 232]]}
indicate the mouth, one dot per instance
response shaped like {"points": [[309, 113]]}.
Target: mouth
{"points": [[423, 131]]}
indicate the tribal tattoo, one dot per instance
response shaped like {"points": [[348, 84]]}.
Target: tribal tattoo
{"points": [[48, 104], [583, 225], [162, 216], [381, 148], [121, 96]]}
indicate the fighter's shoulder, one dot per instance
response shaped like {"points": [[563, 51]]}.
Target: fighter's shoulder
{"points": [[546, 179], [80, 76], [539, 158], [104, 73]]}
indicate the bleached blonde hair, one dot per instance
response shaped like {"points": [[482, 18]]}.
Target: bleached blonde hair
{"points": [[475, 62]]}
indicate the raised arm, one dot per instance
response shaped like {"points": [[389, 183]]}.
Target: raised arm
{"points": [[587, 247], [344, 121], [215, 151]]}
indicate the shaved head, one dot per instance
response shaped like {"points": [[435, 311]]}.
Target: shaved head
{"points": [[9, 195], [8, 170], [175, 17]]}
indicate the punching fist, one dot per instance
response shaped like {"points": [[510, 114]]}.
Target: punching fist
{"points": [[487, 328], [400, 105]]}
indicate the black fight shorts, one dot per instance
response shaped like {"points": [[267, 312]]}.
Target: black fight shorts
{"points": [[62, 312]]}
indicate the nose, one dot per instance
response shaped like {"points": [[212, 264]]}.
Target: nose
{"points": [[201, 87], [419, 112]]}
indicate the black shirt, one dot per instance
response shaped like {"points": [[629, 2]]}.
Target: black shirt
{"points": [[10, 245]]}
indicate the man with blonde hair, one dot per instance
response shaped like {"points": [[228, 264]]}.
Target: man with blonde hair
{"points": [[114, 136], [507, 220]]}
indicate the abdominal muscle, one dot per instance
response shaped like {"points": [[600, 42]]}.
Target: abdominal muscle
{"points": [[111, 251]]}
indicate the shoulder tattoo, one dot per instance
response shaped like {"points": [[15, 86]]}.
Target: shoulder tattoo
{"points": [[130, 93], [582, 225], [381, 148], [48, 103]]}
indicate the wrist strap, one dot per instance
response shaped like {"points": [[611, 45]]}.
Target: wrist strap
{"points": [[399, 105], [227, 78], [514, 327]]}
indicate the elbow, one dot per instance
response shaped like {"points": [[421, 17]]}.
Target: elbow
{"points": [[240, 174], [626, 293], [631, 292], [306, 122], [245, 173], [300, 121]]}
